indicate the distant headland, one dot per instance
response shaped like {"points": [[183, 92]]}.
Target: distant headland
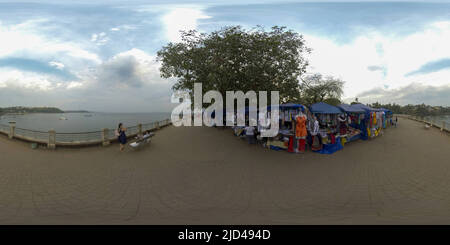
{"points": [[25, 110]]}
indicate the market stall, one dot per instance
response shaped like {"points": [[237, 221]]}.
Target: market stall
{"points": [[286, 138], [354, 118], [328, 131], [387, 122], [373, 120]]}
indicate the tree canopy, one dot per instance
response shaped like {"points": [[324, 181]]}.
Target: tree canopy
{"points": [[316, 88], [233, 59]]}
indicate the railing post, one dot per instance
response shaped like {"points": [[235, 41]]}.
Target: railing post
{"points": [[51, 139], [105, 139], [139, 128], [12, 129]]}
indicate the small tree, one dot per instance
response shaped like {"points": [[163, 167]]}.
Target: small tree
{"points": [[355, 102], [315, 88]]}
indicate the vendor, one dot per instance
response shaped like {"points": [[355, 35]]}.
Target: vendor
{"points": [[316, 142], [342, 125], [250, 133]]}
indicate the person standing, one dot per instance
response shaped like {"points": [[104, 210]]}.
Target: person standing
{"points": [[250, 133], [121, 136], [316, 144]]}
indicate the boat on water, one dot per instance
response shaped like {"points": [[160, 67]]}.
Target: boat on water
{"points": [[87, 115], [62, 118]]}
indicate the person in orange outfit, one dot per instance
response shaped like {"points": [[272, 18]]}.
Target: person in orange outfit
{"points": [[300, 132]]}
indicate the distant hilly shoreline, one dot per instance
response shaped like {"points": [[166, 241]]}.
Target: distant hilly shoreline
{"points": [[24, 110]]}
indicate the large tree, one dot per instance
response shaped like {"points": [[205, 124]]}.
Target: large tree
{"points": [[316, 88], [235, 59]]}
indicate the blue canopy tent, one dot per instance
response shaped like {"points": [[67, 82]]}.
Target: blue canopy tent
{"points": [[363, 107], [354, 110], [363, 125], [350, 109], [387, 117], [324, 108], [288, 106], [288, 111], [387, 111]]}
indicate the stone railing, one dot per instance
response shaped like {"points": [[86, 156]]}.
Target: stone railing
{"points": [[53, 139], [442, 125]]}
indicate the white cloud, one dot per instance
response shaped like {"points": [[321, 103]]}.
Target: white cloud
{"points": [[94, 37], [25, 39], [18, 79], [99, 38], [182, 19], [414, 93], [56, 64], [395, 56]]}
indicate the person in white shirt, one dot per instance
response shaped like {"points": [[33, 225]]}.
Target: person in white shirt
{"points": [[250, 132]]}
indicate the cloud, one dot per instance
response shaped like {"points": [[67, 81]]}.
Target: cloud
{"points": [[361, 64], [56, 64], [25, 80], [415, 93], [100, 38], [132, 68], [368, 45], [375, 68], [432, 66], [128, 82], [340, 21], [24, 39], [182, 19], [50, 68]]}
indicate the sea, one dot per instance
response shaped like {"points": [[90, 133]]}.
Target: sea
{"points": [[439, 119], [80, 122]]}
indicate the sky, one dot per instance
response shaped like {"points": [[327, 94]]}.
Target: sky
{"points": [[101, 55]]}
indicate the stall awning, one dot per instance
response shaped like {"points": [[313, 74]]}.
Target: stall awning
{"points": [[324, 108], [364, 107], [387, 111], [292, 106], [349, 109]]}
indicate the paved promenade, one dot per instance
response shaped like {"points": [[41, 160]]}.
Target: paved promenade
{"points": [[208, 176]]}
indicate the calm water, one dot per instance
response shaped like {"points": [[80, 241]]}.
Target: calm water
{"points": [[439, 119], [80, 122]]}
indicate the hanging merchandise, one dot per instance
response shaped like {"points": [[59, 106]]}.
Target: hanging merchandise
{"points": [[333, 139], [300, 123], [301, 145]]}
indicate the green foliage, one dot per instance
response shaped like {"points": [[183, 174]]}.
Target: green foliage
{"points": [[316, 88], [332, 101], [355, 102], [233, 59]]}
